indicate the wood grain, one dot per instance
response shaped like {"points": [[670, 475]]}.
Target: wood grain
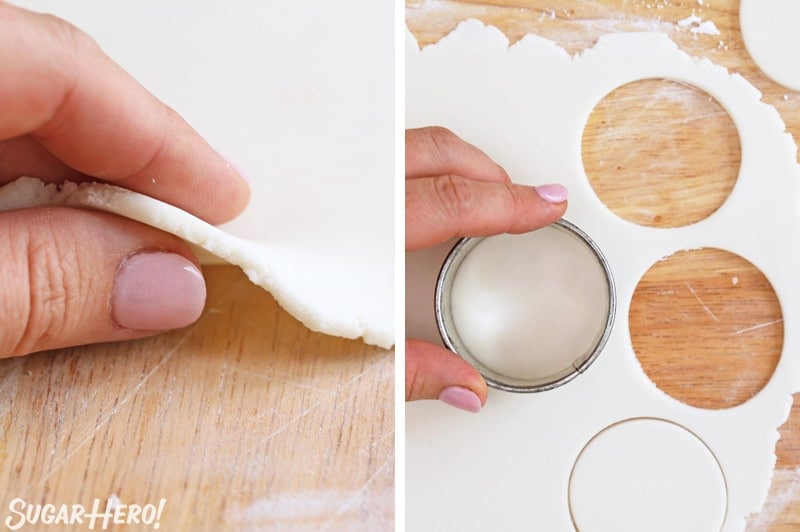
{"points": [[664, 154], [244, 421], [643, 152], [692, 334]]}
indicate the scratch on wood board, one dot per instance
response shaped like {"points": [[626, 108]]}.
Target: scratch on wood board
{"points": [[705, 307]]}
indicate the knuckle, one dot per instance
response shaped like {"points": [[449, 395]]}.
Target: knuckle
{"points": [[511, 196], [415, 381], [440, 133], [69, 36], [453, 196], [513, 203], [443, 140], [7, 13], [76, 52], [157, 149], [415, 386], [53, 291]]}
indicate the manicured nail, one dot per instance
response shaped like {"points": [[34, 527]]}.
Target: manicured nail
{"points": [[553, 193], [157, 291], [462, 398]]}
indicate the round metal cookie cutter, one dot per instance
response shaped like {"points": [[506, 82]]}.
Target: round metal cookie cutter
{"points": [[451, 338]]}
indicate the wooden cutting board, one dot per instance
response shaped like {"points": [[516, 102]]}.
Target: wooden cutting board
{"points": [[245, 421], [706, 324]]}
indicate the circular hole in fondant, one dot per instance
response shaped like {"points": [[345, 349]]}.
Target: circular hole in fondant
{"points": [[660, 153], [706, 327], [529, 311], [647, 474]]}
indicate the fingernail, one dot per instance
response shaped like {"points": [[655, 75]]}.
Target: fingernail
{"points": [[462, 398], [553, 193], [157, 291]]}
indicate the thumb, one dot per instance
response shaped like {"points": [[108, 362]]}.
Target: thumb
{"points": [[433, 372], [70, 277]]}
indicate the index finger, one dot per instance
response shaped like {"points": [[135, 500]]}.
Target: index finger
{"points": [[57, 86], [443, 207], [434, 151]]}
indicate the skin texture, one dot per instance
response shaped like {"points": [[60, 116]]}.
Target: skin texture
{"points": [[68, 112], [454, 190]]}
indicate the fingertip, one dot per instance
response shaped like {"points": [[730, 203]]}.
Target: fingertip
{"points": [[534, 207], [218, 190], [241, 174], [241, 183], [433, 372]]}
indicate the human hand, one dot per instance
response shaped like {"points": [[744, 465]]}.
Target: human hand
{"points": [[452, 190], [68, 112]]}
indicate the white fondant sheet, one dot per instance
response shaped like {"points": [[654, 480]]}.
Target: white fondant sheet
{"points": [[275, 269], [508, 467]]}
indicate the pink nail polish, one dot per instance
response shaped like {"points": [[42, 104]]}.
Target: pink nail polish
{"points": [[157, 291], [553, 193], [462, 398]]}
